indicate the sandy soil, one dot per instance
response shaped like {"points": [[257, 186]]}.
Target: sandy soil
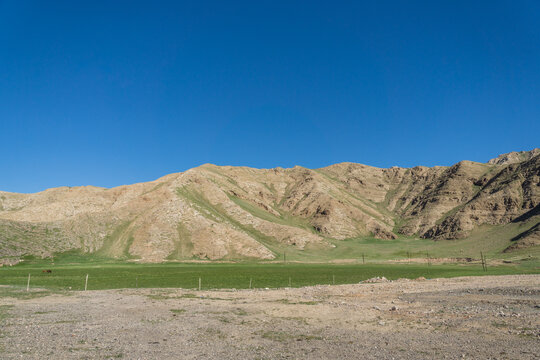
{"points": [[491, 317]]}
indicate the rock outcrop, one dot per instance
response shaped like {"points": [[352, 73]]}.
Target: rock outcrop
{"points": [[514, 157]]}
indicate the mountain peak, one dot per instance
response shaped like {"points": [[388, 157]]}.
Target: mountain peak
{"points": [[514, 157]]}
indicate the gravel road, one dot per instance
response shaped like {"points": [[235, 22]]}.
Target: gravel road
{"points": [[490, 317]]}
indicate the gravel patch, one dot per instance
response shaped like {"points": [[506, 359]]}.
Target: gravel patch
{"points": [[485, 317]]}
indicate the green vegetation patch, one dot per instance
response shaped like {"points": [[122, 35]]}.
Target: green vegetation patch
{"points": [[118, 242], [217, 214], [183, 246], [289, 302], [178, 311], [283, 219], [70, 277], [282, 336]]}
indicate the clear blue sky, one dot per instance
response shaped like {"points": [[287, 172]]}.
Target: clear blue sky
{"points": [[108, 92]]}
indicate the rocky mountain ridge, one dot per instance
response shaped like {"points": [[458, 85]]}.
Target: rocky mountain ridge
{"points": [[514, 157], [224, 212]]}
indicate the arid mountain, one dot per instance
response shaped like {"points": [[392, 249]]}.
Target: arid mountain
{"points": [[514, 157], [223, 212]]}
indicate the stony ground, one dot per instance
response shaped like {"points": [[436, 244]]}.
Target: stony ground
{"points": [[492, 317]]}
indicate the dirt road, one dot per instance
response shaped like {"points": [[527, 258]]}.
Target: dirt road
{"points": [[491, 317]]}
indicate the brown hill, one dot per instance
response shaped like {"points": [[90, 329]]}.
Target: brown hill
{"points": [[514, 157], [223, 212]]}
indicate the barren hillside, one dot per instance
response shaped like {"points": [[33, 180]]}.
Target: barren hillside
{"points": [[223, 212]]}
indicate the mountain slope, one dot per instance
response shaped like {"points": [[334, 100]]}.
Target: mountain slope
{"points": [[223, 212]]}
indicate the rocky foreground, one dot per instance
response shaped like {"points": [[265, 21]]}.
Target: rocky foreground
{"points": [[490, 317]]}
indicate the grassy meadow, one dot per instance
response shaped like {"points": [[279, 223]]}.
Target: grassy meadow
{"points": [[68, 274]]}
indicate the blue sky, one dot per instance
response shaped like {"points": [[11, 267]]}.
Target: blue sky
{"points": [[108, 93]]}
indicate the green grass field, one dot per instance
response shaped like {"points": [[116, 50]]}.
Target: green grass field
{"points": [[103, 275]]}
